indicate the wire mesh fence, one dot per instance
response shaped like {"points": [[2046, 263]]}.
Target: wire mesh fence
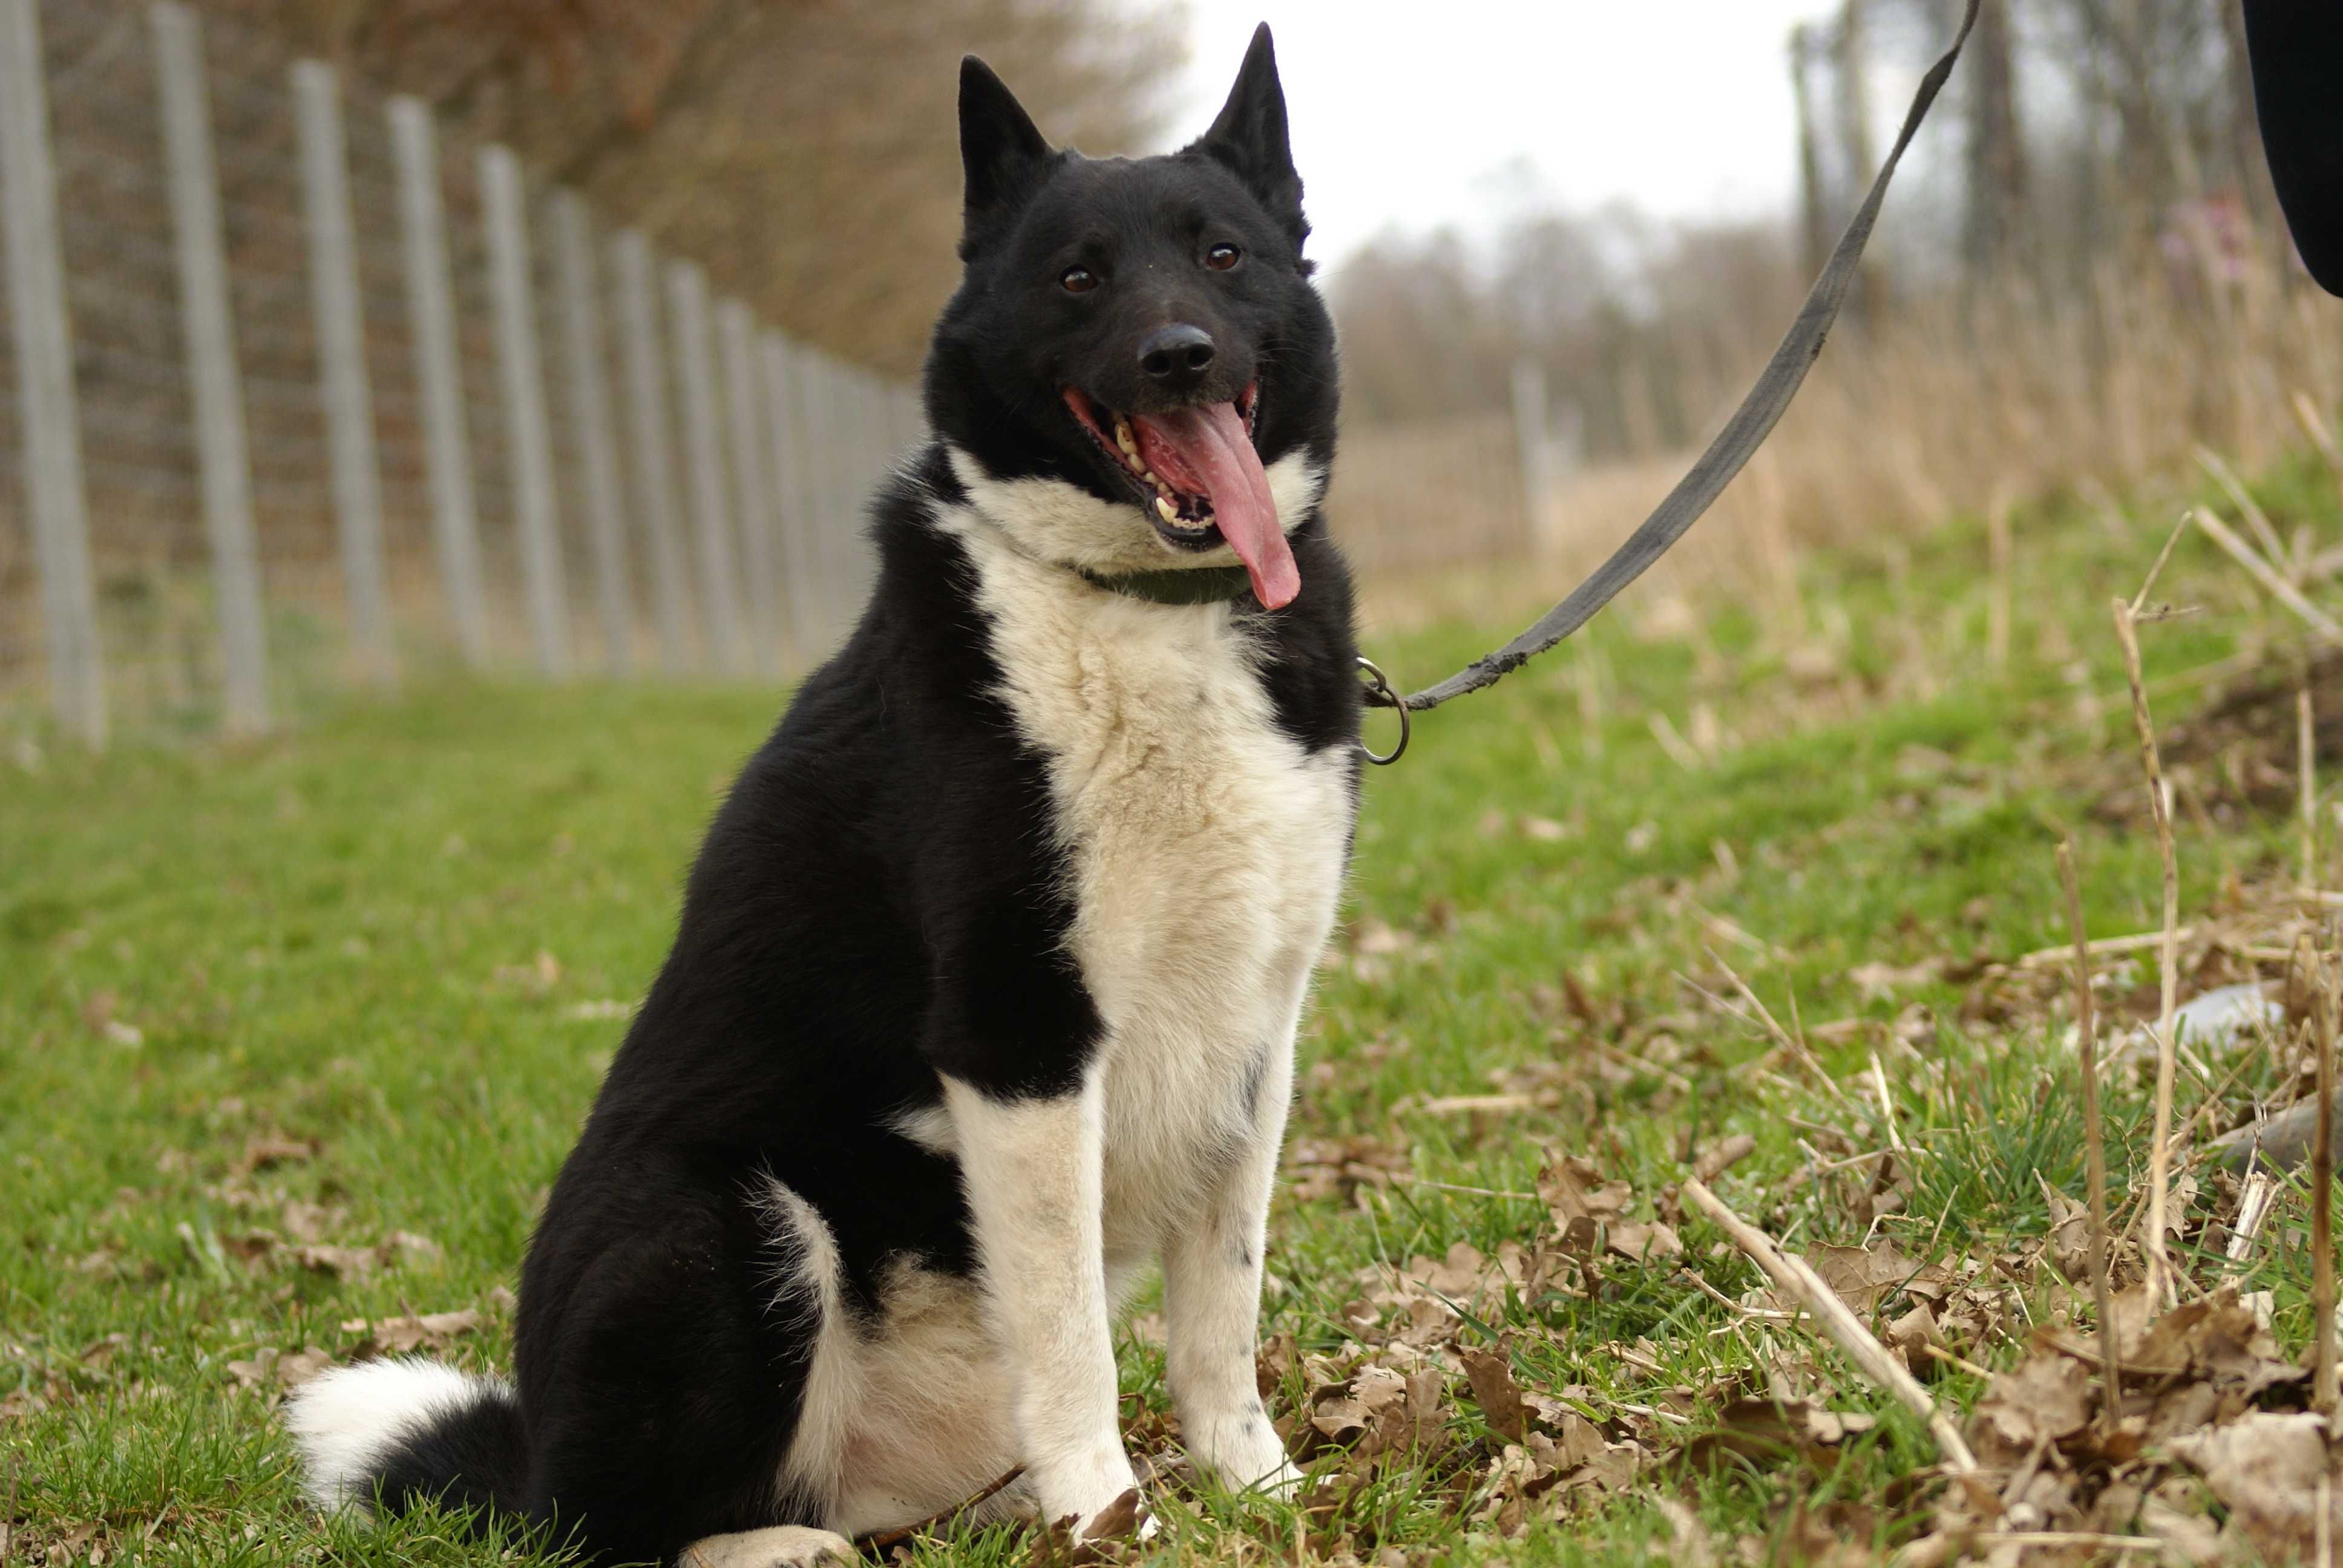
{"points": [[320, 395]]}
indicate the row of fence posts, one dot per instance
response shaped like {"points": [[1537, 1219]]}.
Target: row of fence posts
{"points": [[778, 440]]}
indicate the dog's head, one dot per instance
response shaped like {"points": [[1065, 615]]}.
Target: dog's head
{"points": [[1136, 367]]}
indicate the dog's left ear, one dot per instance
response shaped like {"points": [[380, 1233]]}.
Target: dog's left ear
{"points": [[1002, 153], [1250, 139]]}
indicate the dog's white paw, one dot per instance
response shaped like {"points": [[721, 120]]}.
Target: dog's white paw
{"points": [[783, 1546], [1244, 1453], [1097, 1491]]}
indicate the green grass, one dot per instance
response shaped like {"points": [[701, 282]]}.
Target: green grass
{"points": [[335, 935]]}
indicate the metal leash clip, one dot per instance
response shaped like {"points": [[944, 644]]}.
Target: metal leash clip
{"points": [[1381, 695]]}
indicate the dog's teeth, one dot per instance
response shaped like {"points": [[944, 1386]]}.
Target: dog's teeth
{"points": [[1138, 464], [1171, 514], [1122, 438]]}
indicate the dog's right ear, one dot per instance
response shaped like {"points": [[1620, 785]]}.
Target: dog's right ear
{"points": [[1002, 155]]}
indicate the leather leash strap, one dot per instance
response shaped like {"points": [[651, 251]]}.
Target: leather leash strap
{"points": [[1743, 434]]}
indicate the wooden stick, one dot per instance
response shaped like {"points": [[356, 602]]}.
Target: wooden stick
{"points": [[2159, 1152], [2087, 1031], [2279, 589], [1802, 1284], [2322, 1197], [879, 1543]]}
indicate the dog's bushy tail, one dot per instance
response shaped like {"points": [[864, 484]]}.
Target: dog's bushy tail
{"points": [[408, 1430]]}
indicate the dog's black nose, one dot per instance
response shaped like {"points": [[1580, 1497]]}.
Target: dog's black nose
{"points": [[1176, 356]]}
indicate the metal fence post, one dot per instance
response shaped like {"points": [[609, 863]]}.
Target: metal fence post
{"points": [[688, 304], [736, 336], [431, 320], [527, 437], [45, 382], [654, 473], [342, 364], [589, 412], [214, 382]]}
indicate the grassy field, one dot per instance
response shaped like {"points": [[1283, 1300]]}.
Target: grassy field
{"points": [[294, 1035]]}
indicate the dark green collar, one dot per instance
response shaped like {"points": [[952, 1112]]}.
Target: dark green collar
{"points": [[1196, 585]]}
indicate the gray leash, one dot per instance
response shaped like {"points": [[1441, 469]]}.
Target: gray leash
{"points": [[1743, 434]]}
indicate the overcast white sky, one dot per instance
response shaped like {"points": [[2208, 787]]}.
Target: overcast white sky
{"points": [[1418, 114]]}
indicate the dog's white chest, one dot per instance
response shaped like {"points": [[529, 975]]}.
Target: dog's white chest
{"points": [[1206, 852]]}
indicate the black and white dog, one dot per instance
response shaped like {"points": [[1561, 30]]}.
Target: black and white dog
{"points": [[987, 979]]}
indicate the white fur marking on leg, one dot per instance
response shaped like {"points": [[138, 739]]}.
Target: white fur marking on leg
{"points": [[1033, 1172]]}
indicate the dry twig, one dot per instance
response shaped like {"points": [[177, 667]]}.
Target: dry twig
{"points": [[2159, 1152], [2087, 1028], [879, 1542], [1795, 1277]]}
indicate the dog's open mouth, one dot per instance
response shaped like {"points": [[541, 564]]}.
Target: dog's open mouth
{"points": [[1195, 472]]}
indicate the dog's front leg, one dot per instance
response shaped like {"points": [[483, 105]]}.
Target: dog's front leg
{"points": [[1032, 1170], [1211, 1303]]}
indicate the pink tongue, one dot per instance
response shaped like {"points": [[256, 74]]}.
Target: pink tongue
{"points": [[1206, 451]]}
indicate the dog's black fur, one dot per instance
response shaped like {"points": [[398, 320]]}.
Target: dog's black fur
{"points": [[880, 899]]}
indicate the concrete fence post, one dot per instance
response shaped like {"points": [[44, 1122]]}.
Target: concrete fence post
{"points": [[214, 383], [529, 440], [438, 376], [46, 397], [752, 490], [342, 382], [800, 573], [1533, 441], [653, 466], [586, 372], [704, 464]]}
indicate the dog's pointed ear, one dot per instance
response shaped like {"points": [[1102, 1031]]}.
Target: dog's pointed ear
{"points": [[1002, 154], [1249, 137]]}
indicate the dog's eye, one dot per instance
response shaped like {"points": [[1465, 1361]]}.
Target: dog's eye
{"points": [[1078, 281], [1222, 257]]}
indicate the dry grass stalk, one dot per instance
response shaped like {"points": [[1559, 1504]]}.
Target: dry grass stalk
{"points": [[2262, 572], [2265, 531], [2087, 1033], [1793, 1047], [1795, 1279], [2159, 1152], [1886, 1103], [2253, 1207], [2101, 947], [2322, 435], [2139, 599], [2322, 1195], [2306, 751]]}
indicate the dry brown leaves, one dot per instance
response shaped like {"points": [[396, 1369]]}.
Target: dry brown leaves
{"points": [[2211, 1423], [409, 1333]]}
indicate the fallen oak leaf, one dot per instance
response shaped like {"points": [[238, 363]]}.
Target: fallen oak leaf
{"points": [[1491, 1374]]}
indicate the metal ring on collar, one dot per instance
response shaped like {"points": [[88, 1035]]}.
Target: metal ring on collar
{"points": [[1381, 695]]}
